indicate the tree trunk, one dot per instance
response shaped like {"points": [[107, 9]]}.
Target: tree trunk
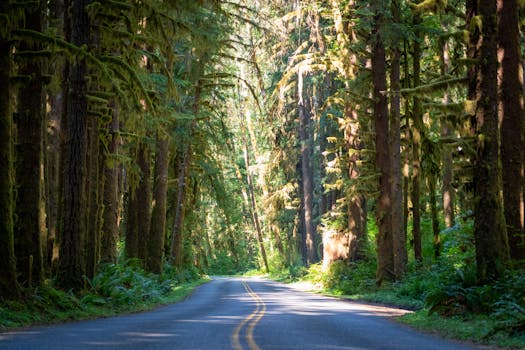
{"points": [[385, 256], [306, 174], [417, 131], [253, 204], [53, 149], [71, 267], [29, 125], [180, 199], [143, 194], [9, 288], [399, 239], [356, 203], [447, 189], [490, 232], [110, 228], [157, 234], [132, 230], [93, 184], [473, 45], [434, 214], [511, 117]]}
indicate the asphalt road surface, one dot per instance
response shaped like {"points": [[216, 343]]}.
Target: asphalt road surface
{"points": [[238, 313]]}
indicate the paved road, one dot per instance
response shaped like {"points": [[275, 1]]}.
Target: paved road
{"points": [[237, 313]]}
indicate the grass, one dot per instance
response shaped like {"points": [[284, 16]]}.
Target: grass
{"points": [[117, 289]]}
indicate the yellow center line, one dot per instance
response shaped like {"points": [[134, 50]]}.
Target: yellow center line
{"points": [[249, 331], [252, 319]]}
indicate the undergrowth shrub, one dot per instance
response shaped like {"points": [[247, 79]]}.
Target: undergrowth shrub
{"points": [[117, 287], [344, 277]]}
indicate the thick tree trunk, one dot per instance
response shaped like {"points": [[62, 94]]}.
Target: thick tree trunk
{"points": [[512, 119], [9, 288], [399, 239], [52, 179], [180, 200], [110, 228], [385, 255], [53, 149], [29, 151], [306, 175], [490, 232], [157, 234], [73, 233], [356, 203], [93, 184]]}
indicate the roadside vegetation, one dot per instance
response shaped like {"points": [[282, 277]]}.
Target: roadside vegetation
{"points": [[116, 289], [443, 292]]}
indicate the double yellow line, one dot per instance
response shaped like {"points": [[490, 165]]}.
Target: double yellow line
{"points": [[251, 321]]}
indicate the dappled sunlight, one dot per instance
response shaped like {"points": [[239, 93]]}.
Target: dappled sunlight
{"points": [[283, 300]]}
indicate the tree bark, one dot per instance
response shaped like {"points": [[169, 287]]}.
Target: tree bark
{"points": [[434, 214], [53, 149], [417, 131], [93, 184], [29, 151], [511, 117], [253, 205], [490, 232], [306, 175], [399, 239], [74, 165], [154, 260], [9, 288], [447, 189], [143, 194], [132, 231], [385, 256], [110, 227]]}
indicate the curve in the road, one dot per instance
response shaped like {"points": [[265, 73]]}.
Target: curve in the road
{"points": [[240, 314]]}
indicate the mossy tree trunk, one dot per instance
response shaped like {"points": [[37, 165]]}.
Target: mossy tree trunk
{"points": [[29, 155], [490, 232], [385, 256], [143, 194], [9, 288], [110, 228], [306, 173], [417, 134], [53, 148], [447, 189], [158, 217], [399, 239], [132, 232]]}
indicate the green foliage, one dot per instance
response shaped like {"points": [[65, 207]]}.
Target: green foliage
{"points": [[223, 264], [117, 288]]}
